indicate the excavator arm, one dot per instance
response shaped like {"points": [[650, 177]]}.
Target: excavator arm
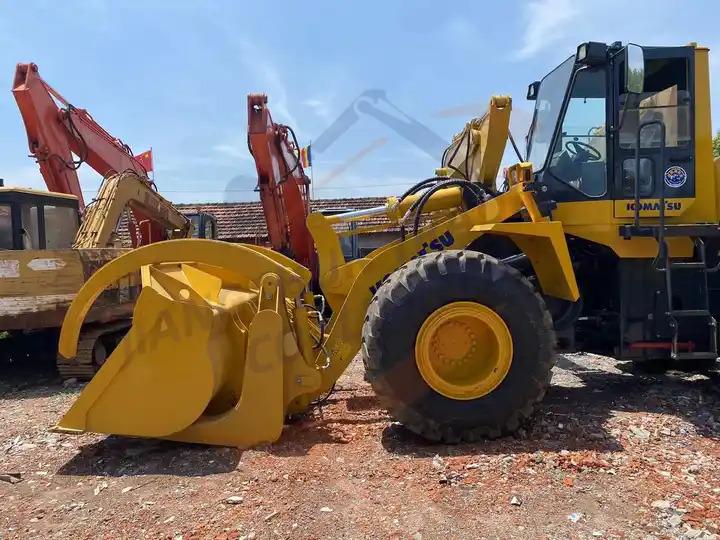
{"points": [[282, 183], [125, 190], [58, 132]]}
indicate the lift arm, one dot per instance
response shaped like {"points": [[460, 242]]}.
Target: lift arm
{"points": [[282, 183]]}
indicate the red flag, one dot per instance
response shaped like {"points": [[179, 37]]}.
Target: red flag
{"points": [[145, 159]]}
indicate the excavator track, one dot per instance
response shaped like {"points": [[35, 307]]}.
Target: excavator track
{"points": [[92, 352]]}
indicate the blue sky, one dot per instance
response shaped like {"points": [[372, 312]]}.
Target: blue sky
{"points": [[174, 75]]}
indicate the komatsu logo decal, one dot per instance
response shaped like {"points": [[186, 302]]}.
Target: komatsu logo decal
{"points": [[445, 240], [655, 206]]}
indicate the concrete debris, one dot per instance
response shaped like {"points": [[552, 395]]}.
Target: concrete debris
{"points": [[640, 433], [438, 463]]}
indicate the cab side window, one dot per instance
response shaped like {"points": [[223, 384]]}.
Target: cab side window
{"points": [[580, 154], [30, 226], [209, 229], [61, 225], [666, 98], [6, 232]]}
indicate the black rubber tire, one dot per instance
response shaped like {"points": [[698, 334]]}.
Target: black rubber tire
{"points": [[399, 309]]}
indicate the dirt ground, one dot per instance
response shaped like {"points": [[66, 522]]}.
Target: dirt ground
{"points": [[613, 453]]}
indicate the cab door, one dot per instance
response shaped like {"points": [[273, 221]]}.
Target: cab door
{"points": [[669, 168]]}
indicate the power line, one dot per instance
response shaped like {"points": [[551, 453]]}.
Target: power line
{"points": [[235, 190]]}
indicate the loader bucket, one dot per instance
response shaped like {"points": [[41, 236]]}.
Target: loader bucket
{"points": [[212, 355]]}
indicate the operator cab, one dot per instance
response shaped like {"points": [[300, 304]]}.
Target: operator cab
{"points": [[582, 140], [31, 219], [204, 225]]}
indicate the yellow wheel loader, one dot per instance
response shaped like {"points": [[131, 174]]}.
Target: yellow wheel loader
{"points": [[604, 234]]}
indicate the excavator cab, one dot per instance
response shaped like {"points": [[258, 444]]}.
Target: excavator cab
{"points": [[32, 219], [204, 225]]}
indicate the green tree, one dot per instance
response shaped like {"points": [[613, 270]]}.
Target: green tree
{"points": [[716, 144]]}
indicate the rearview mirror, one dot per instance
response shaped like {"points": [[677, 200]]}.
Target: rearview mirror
{"points": [[634, 69], [532, 91]]}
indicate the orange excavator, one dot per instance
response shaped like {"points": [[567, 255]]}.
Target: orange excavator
{"points": [[282, 183], [62, 137], [52, 252]]}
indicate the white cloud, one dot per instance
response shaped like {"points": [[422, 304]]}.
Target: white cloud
{"points": [[262, 68], [546, 22], [235, 147], [319, 106]]}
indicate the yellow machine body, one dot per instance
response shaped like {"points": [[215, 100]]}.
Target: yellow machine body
{"points": [[222, 347], [225, 340]]}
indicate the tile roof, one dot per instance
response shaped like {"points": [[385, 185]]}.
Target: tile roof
{"points": [[244, 221]]}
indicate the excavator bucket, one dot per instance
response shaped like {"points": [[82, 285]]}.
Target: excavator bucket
{"points": [[219, 351]]}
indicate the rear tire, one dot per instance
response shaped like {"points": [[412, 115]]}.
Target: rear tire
{"points": [[409, 297]]}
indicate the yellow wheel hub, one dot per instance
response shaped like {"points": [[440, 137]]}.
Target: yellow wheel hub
{"points": [[463, 350]]}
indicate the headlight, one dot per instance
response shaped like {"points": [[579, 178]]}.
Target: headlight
{"points": [[582, 51]]}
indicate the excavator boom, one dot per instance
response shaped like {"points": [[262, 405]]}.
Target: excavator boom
{"points": [[57, 131], [282, 182], [54, 132]]}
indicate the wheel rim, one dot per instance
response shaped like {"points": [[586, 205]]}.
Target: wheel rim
{"points": [[463, 350]]}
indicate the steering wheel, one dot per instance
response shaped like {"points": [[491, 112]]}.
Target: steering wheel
{"points": [[577, 148]]}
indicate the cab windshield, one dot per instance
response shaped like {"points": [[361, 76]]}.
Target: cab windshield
{"points": [[547, 111]]}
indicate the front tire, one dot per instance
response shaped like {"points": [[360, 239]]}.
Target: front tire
{"points": [[476, 403]]}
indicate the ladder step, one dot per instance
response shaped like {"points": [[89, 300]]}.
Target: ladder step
{"points": [[689, 313], [695, 355]]}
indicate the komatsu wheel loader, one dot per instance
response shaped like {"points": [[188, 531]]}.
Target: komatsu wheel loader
{"points": [[605, 234]]}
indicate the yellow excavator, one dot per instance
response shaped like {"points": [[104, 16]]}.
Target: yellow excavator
{"points": [[47, 252], [603, 237]]}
